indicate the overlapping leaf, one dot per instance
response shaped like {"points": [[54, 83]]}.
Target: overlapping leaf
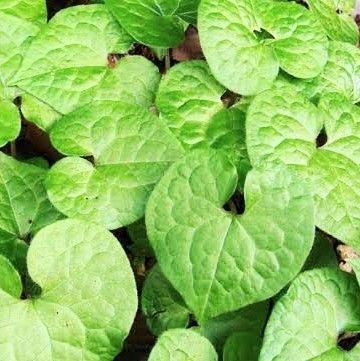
{"points": [[226, 261], [181, 345], [131, 149], [336, 18], [87, 303], [24, 207], [283, 126], [20, 22], [155, 23], [304, 325], [246, 44], [237, 335], [341, 74], [67, 64], [189, 100], [162, 305]]}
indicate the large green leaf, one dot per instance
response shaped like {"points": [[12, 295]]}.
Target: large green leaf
{"points": [[10, 121], [246, 44], [161, 304], [226, 261], [134, 80], [183, 345], [155, 23], [283, 126], [67, 63], [131, 150], [87, 303], [306, 322], [24, 207], [336, 16]]}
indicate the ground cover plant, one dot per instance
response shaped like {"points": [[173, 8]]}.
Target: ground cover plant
{"points": [[179, 180]]}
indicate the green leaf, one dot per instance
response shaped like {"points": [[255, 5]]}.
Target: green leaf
{"points": [[322, 254], [336, 354], [15, 36], [161, 304], [24, 207], [341, 74], [155, 23], [38, 112], [188, 97], [141, 245], [306, 322], [33, 11], [131, 150], [246, 45], [283, 126], [226, 261], [336, 18], [10, 281], [84, 277], [355, 264], [246, 321], [67, 64], [189, 101], [182, 345], [10, 122], [242, 346]]}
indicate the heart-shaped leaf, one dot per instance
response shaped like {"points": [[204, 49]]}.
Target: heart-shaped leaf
{"points": [[283, 126], [319, 306], [337, 19], [131, 150], [246, 45], [87, 303], [219, 261], [24, 207], [70, 61], [161, 304], [181, 345], [157, 24]]}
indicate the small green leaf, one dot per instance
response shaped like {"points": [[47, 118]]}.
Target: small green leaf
{"points": [[283, 126], [81, 313], [153, 23], [337, 19], [33, 11], [24, 207], [322, 254], [68, 60], [305, 323], [188, 97], [10, 122], [10, 281], [247, 320], [141, 246], [38, 112], [246, 45], [131, 150], [161, 304], [226, 261], [183, 345]]}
